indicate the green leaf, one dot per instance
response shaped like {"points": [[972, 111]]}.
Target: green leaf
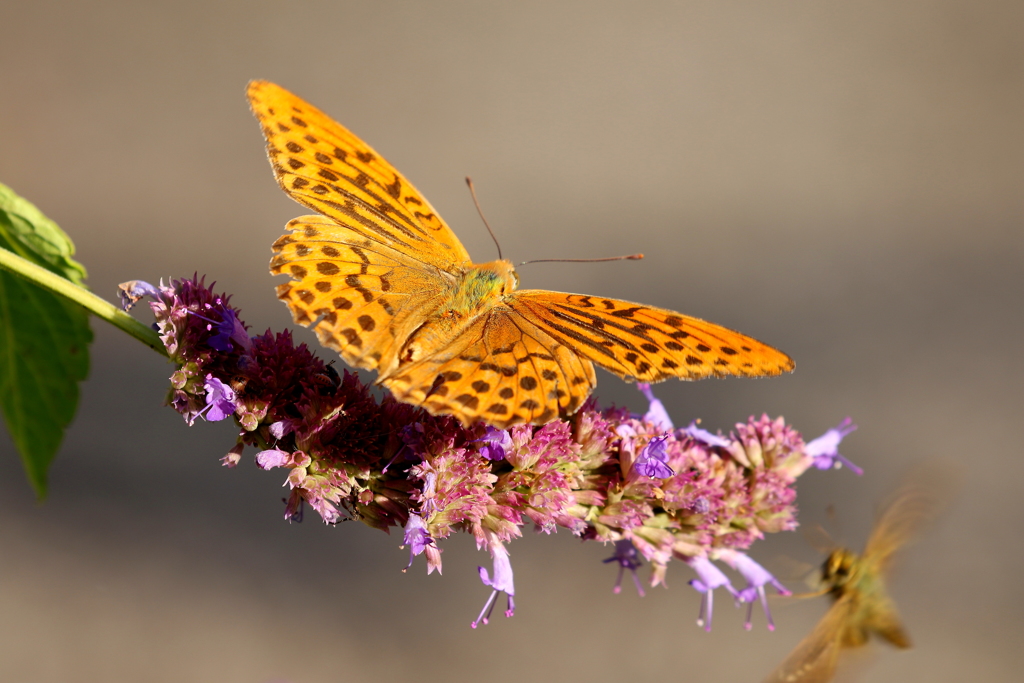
{"points": [[38, 236], [44, 338]]}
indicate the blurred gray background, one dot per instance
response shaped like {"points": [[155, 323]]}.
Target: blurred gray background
{"points": [[841, 180]]}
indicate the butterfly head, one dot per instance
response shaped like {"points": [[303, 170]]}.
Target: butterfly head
{"points": [[840, 568], [504, 274]]}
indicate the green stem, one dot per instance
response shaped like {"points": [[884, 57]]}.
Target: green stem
{"points": [[105, 310]]}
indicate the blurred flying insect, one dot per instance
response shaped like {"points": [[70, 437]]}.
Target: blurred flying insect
{"points": [[856, 583]]}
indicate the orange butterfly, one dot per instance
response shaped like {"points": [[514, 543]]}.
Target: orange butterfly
{"points": [[385, 282]]}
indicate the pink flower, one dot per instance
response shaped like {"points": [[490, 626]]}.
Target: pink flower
{"points": [[234, 456], [605, 475], [272, 458]]}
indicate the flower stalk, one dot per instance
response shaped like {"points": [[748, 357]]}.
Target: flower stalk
{"points": [[101, 308]]}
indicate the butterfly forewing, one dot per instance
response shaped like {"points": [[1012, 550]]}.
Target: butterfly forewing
{"points": [[814, 660], [321, 164], [365, 298], [644, 343]]}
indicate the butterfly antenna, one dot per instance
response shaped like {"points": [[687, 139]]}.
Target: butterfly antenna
{"points": [[472, 191], [631, 257]]}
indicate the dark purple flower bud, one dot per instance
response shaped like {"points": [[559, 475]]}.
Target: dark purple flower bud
{"points": [[627, 557], [709, 578], [825, 449], [653, 458], [295, 506], [656, 413]]}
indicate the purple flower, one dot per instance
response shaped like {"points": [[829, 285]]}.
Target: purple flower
{"points": [[709, 578], [220, 402], [229, 329], [656, 413], [628, 558], [501, 582], [417, 538], [825, 449], [653, 458], [756, 576], [496, 443], [704, 436]]}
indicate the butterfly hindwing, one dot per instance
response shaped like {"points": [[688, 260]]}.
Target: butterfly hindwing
{"points": [[322, 165], [502, 370], [644, 343]]}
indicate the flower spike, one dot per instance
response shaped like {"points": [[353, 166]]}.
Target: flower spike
{"points": [[604, 475]]}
